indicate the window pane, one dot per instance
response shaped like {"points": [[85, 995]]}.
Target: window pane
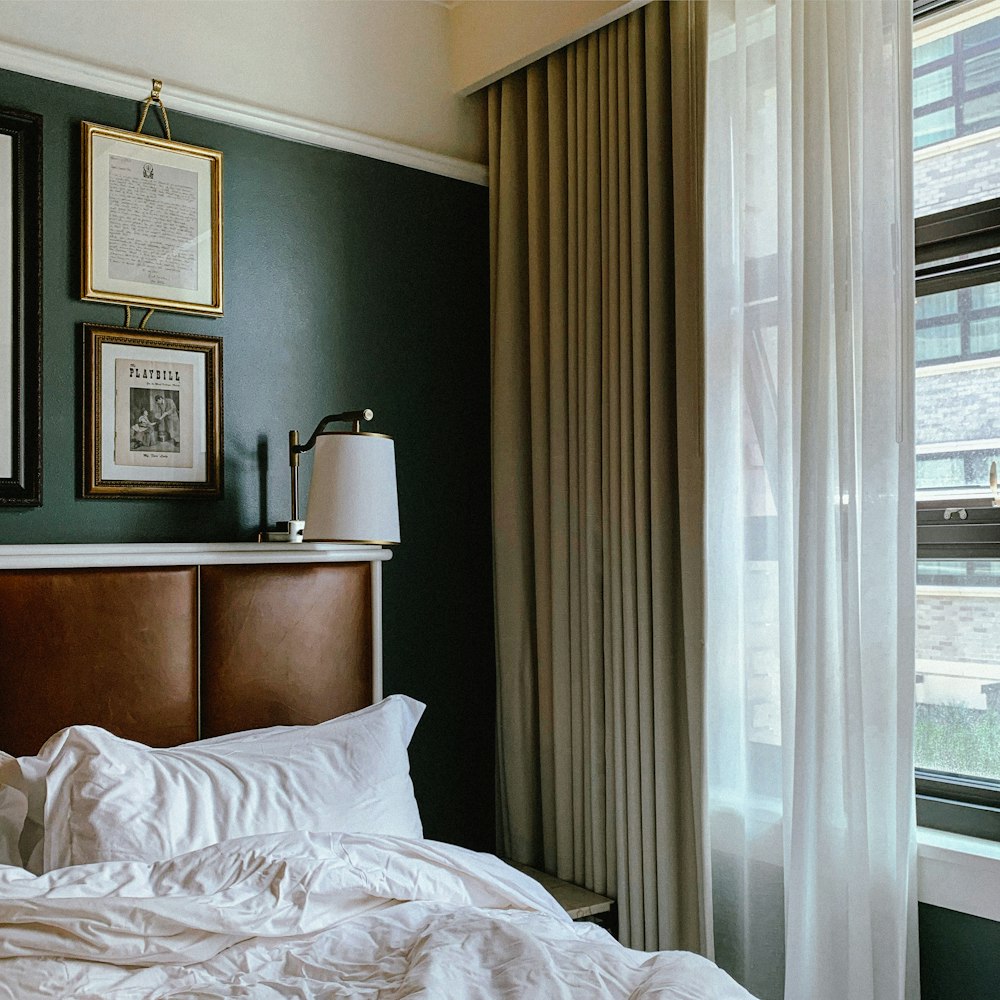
{"points": [[958, 404], [957, 386], [941, 304], [984, 32], [957, 158], [958, 667], [935, 343], [941, 571], [946, 177], [934, 127], [984, 335], [938, 49], [935, 472], [959, 468], [982, 112], [984, 322], [959, 572], [982, 70], [931, 87], [982, 296], [978, 465]]}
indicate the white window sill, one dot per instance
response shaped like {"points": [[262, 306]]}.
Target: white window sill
{"points": [[958, 872], [953, 871]]}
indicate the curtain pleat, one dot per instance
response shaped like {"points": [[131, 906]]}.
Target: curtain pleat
{"points": [[596, 474]]}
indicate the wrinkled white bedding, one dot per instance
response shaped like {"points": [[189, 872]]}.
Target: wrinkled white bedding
{"points": [[318, 915]]}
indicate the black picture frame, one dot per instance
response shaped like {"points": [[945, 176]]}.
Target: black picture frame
{"points": [[21, 424]]}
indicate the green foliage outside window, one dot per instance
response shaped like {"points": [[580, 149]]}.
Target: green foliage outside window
{"points": [[958, 740]]}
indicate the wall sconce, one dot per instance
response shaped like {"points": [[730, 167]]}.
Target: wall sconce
{"points": [[352, 496]]}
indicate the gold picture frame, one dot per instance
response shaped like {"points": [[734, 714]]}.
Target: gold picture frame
{"points": [[151, 222], [152, 414]]}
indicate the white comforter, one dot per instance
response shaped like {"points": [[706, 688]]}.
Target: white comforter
{"points": [[310, 916]]}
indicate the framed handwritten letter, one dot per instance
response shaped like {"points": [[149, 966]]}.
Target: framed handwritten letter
{"points": [[20, 308], [152, 413], [152, 222]]}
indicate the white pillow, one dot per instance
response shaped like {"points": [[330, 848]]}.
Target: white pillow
{"points": [[27, 775], [110, 799]]}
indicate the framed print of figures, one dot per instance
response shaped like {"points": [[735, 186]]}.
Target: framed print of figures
{"points": [[152, 413], [152, 222], [20, 308]]}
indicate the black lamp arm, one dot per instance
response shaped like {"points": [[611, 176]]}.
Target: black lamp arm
{"points": [[354, 416], [295, 449]]}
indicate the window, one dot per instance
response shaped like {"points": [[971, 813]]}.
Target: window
{"points": [[956, 81], [956, 136]]}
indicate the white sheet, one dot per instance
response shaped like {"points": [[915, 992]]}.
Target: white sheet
{"points": [[311, 916]]}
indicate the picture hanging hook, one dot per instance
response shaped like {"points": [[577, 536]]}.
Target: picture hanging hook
{"points": [[155, 98]]}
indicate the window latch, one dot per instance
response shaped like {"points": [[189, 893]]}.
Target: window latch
{"points": [[993, 484], [960, 511]]}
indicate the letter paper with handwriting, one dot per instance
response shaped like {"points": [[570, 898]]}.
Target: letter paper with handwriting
{"points": [[153, 224]]}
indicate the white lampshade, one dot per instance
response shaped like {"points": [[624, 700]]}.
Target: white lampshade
{"points": [[352, 496]]}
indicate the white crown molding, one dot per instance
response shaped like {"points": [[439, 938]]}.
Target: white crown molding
{"points": [[60, 69]]}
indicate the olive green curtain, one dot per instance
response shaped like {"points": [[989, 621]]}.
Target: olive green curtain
{"points": [[596, 332]]}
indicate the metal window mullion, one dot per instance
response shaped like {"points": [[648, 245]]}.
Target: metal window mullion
{"points": [[941, 104], [958, 83], [966, 323]]}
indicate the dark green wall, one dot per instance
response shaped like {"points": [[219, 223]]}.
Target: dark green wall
{"points": [[348, 282], [959, 956]]}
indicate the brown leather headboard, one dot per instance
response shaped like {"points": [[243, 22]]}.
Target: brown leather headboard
{"points": [[165, 655], [284, 645], [116, 648]]}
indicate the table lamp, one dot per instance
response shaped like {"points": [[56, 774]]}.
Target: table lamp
{"points": [[352, 496]]}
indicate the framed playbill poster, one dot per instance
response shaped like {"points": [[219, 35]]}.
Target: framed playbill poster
{"points": [[152, 413]]}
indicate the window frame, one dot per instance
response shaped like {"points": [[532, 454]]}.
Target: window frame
{"points": [[955, 249]]}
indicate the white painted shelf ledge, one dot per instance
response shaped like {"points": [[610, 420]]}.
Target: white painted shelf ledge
{"points": [[55, 556]]}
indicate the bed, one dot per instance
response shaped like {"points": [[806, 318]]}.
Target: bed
{"points": [[203, 793]]}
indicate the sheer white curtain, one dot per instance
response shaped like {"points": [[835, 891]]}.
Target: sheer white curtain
{"points": [[809, 445]]}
